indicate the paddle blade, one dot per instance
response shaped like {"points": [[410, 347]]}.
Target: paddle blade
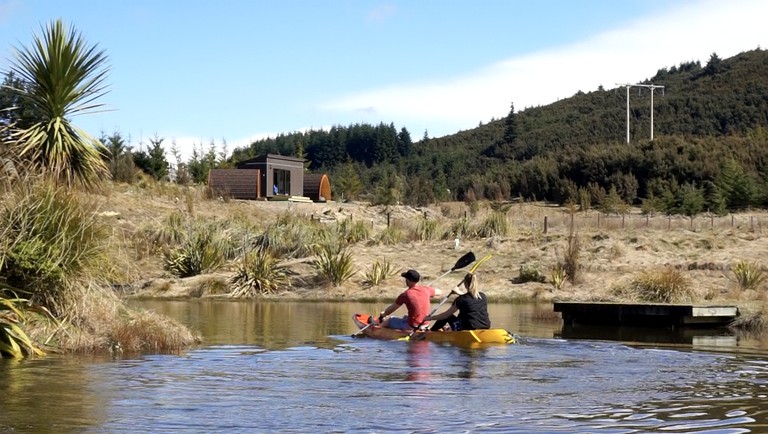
{"points": [[477, 264], [464, 261]]}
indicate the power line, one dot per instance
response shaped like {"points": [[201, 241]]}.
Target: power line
{"points": [[653, 87]]}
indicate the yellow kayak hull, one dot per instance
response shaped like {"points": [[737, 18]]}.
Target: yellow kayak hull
{"points": [[462, 338]]}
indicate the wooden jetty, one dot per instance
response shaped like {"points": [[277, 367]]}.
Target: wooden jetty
{"points": [[645, 314]]}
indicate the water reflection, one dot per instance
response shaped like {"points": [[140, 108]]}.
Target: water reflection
{"points": [[418, 358], [278, 367]]}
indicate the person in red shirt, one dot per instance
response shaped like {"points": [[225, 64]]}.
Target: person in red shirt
{"points": [[416, 299]]}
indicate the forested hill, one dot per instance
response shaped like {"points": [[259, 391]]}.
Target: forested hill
{"points": [[709, 152]]}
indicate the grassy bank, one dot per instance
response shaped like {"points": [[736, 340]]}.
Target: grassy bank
{"points": [[77, 254]]}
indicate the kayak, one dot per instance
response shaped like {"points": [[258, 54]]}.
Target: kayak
{"points": [[463, 337]]}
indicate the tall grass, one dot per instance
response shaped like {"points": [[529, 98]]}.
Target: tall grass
{"points": [[292, 236], [667, 285], [460, 229], [427, 229], [394, 234], [50, 240], [353, 232], [495, 224]]}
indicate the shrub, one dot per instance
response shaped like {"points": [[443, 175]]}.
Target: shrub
{"points": [[256, 273], [530, 273], [667, 285]]}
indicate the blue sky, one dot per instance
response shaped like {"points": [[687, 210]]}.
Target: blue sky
{"points": [[194, 71]]}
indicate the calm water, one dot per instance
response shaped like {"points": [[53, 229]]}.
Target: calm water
{"points": [[293, 367]]}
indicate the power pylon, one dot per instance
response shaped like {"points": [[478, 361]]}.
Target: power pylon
{"points": [[649, 86]]}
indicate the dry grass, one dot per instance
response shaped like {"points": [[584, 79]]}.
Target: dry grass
{"points": [[609, 252], [99, 321]]}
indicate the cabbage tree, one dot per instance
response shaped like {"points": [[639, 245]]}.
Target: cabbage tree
{"points": [[65, 77]]}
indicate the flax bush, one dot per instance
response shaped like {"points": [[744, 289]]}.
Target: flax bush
{"points": [[496, 224], [334, 264], [258, 272], [392, 235], [203, 252], [461, 229], [558, 275], [14, 342], [749, 275], [427, 229], [379, 272]]}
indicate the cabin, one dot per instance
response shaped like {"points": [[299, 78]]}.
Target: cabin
{"points": [[270, 177]]}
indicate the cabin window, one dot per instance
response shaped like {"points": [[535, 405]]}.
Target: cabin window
{"points": [[282, 181]]}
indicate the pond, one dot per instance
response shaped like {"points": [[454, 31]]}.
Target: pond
{"points": [[294, 367]]}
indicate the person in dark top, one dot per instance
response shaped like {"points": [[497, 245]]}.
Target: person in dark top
{"points": [[472, 307]]}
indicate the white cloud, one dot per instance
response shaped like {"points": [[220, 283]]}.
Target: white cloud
{"points": [[631, 54]]}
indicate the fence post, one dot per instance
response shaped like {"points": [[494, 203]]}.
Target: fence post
{"points": [[622, 221], [647, 220], [598, 221], [752, 223], [389, 214], [711, 221], [731, 220], [669, 222], [545, 224]]}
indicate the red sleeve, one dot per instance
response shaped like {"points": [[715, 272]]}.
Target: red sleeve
{"points": [[400, 298]]}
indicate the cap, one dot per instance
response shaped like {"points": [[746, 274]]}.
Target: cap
{"points": [[411, 275]]}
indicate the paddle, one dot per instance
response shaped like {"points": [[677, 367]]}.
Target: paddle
{"points": [[462, 262], [471, 270]]}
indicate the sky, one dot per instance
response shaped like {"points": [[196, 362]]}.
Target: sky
{"points": [[196, 72]]}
